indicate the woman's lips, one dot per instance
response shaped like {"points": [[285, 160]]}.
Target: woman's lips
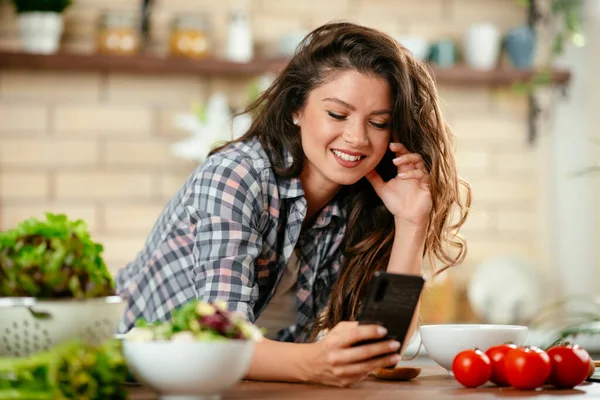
{"points": [[347, 163]]}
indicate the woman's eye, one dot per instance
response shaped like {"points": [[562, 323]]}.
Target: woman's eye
{"points": [[380, 125], [336, 116]]}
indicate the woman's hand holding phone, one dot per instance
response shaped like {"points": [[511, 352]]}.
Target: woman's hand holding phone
{"points": [[338, 362]]}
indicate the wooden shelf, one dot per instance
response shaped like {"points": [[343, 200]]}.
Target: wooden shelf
{"points": [[462, 75], [147, 64], [138, 64]]}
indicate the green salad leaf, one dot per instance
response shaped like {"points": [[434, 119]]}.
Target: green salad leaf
{"points": [[55, 258], [198, 321], [71, 370]]}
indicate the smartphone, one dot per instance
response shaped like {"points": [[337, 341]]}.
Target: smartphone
{"points": [[391, 302]]}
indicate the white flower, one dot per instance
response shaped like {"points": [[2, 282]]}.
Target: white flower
{"points": [[213, 128]]}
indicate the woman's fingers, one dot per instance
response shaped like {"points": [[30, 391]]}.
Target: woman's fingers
{"points": [[413, 159], [415, 174], [398, 148], [364, 352], [365, 367], [345, 364], [358, 333]]}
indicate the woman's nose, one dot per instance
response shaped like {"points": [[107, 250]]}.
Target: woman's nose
{"points": [[355, 135]]}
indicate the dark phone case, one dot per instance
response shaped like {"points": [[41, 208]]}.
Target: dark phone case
{"points": [[391, 302]]}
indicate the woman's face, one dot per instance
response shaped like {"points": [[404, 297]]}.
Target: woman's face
{"points": [[344, 127]]}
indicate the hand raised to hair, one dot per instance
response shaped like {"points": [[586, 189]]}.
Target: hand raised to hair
{"points": [[407, 196]]}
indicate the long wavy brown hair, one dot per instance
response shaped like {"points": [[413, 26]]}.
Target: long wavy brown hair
{"points": [[416, 122]]}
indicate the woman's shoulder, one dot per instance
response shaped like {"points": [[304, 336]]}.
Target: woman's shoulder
{"points": [[242, 163], [248, 151]]}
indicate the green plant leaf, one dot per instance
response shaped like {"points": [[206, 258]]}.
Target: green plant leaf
{"points": [[70, 370]]}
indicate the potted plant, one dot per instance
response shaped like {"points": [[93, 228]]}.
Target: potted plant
{"points": [[40, 24], [561, 20]]}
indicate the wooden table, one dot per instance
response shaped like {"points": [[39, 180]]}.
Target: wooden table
{"points": [[433, 383]]}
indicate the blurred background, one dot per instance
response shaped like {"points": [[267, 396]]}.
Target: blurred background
{"points": [[106, 106]]}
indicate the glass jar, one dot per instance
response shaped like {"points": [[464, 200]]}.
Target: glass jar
{"points": [[189, 36], [118, 33]]}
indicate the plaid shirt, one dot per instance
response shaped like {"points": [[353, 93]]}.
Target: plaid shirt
{"points": [[228, 234]]}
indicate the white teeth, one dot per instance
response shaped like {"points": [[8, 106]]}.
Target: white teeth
{"points": [[345, 156]]}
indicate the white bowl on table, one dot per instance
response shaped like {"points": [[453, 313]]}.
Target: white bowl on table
{"points": [[194, 370], [444, 342]]}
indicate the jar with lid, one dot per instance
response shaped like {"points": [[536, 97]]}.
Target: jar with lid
{"points": [[189, 36], [118, 33]]}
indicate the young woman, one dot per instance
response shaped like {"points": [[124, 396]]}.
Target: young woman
{"points": [[347, 169]]}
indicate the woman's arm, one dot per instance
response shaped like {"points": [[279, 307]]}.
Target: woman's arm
{"points": [[407, 258], [408, 198], [224, 203], [278, 361], [407, 249], [331, 361]]}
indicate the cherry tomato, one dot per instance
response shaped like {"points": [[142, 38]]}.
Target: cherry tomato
{"points": [[570, 366], [496, 355], [527, 367], [472, 368]]}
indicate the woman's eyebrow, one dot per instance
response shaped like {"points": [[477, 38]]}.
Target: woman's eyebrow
{"points": [[352, 108]]}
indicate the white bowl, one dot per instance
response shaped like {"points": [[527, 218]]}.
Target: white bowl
{"points": [[188, 370], [444, 342]]}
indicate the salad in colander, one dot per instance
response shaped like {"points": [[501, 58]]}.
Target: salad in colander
{"points": [[52, 258], [197, 321]]}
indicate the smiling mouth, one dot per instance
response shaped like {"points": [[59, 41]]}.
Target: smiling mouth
{"points": [[347, 157]]}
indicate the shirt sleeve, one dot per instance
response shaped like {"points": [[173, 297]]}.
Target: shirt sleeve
{"points": [[224, 204]]}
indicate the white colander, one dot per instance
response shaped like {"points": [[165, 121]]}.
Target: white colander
{"points": [[29, 325]]}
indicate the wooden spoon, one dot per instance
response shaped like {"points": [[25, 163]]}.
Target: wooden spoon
{"points": [[397, 373]]}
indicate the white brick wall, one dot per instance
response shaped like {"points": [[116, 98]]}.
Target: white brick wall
{"points": [[48, 152], [101, 119], [41, 86]]}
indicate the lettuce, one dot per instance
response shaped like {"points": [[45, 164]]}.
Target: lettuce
{"points": [[55, 258], [200, 321], [70, 370]]}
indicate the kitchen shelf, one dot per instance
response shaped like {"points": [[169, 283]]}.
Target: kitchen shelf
{"points": [[149, 64], [138, 64], [463, 75]]}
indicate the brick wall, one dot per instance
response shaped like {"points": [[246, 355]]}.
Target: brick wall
{"points": [[96, 146]]}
